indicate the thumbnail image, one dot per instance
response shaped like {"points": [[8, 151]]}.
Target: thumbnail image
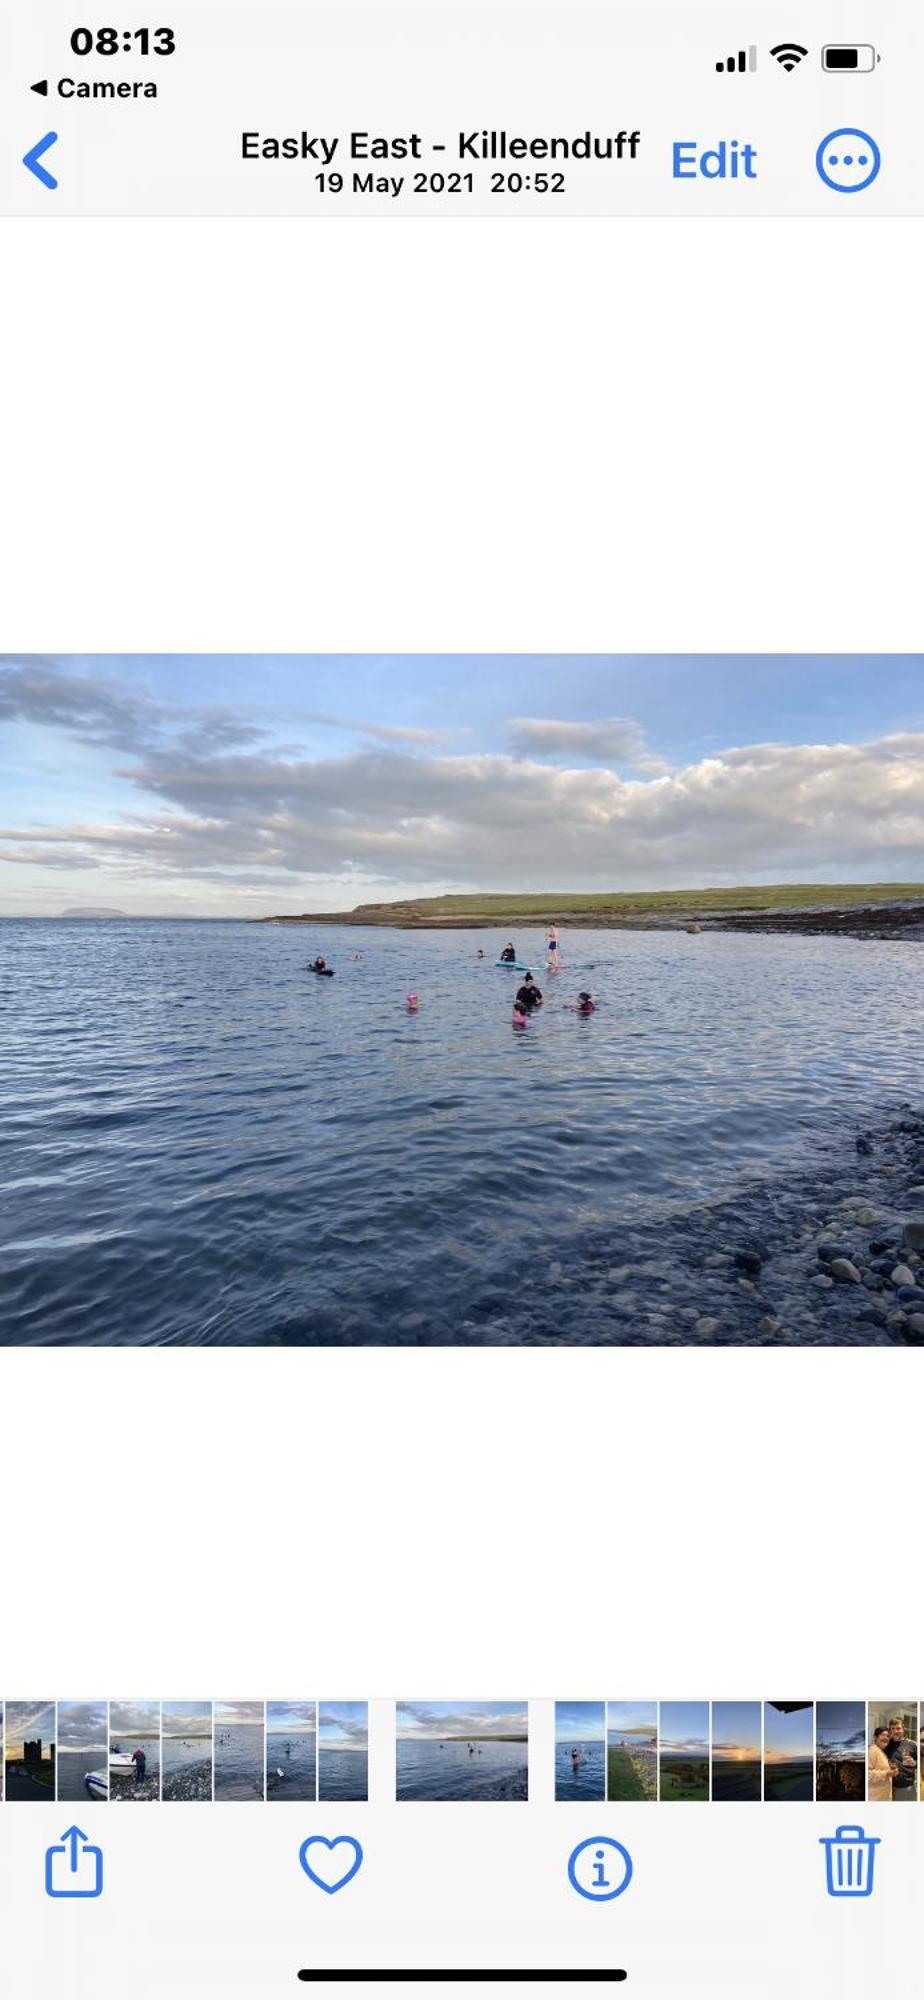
{"points": [[291, 1750], [736, 1750], [580, 1750], [893, 1759], [462, 1750], [684, 1754], [29, 1750], [240, 1750], [840, 1751], [632, 1750], [515, 866], [343, 1750], [134, 1751], [83, 1750], [186, 1750], [789, 1750]]}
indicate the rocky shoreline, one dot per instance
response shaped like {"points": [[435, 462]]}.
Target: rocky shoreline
{"points": [[885, 921], [193, 1782], [835, 1261]]}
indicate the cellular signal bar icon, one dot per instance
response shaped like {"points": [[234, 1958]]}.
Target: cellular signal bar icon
{"points": [[736, 65]]}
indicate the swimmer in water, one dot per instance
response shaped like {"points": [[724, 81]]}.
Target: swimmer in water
{"points": [[320, 965], [520, 1015], [508, 955], [356, 955], [585, 1005], [480, 954], [529, 995], [413, 1003]]}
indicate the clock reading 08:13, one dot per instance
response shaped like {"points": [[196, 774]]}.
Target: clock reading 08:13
{"points": [[115, 41]]}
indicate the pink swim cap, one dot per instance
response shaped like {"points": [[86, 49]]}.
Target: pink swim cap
{"points": [[412, 1000]]}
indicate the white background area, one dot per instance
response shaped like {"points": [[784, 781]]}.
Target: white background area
{"points": [[593, 436]]}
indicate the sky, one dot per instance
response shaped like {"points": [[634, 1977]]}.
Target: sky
{"points": [[83, 1725], [344, 1725], [788, 1735], [685, 1728], [293, 1718], [632, 1719], [735, 1731], [134, 1718], [840, 1729], [227, 1712], [187, 1718], [575, 1721], [26, 1722], [422, 1719], [234, 786]]}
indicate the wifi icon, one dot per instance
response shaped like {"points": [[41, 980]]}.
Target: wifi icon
{"points": [[788, 54]]}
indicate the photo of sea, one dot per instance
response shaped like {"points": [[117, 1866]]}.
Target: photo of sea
{"points": [[222, 877], [789, 1750], [291, 1750], [893, 1752], [186, 1751], [580, 1750], [737, 1756], [343, 1750], [83, 1751], [462, 1750], [30, 1732], [840, 1751], [683, 1771], [240, 1750], [631, 1750], [134, 1752]]}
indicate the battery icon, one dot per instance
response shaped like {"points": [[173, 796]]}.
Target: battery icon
{"points": [[849, 58]]}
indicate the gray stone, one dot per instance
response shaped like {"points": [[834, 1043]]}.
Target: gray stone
{"points": [[706, 1326], [822, 1283], [902, 1276], [916, 1323], [768, 1326], [913, 1235], [844, 1271]]}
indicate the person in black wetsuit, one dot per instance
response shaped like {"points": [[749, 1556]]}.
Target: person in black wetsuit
{"points": [[529, 995], [508, 955]]}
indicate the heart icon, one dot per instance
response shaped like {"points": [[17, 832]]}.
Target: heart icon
{"points": [[331, 1871]]}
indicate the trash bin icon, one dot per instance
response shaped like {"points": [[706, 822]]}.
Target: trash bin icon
{"points": [[850, 1854]]}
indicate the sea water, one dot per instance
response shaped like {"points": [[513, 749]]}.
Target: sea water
{"points": [[584, 1780], [74, 1767], [446, 1768], [343, 1774], [239, 1752], [290, 1765], [200, 1141]]}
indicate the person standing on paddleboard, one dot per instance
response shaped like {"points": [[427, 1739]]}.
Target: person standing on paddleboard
{"points": [[553, 948]]}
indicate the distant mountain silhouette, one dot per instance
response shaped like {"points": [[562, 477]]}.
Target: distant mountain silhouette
{"points": [[89, 911]]}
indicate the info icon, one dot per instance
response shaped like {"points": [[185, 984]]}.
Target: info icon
{"points": [[600, 1869]]}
